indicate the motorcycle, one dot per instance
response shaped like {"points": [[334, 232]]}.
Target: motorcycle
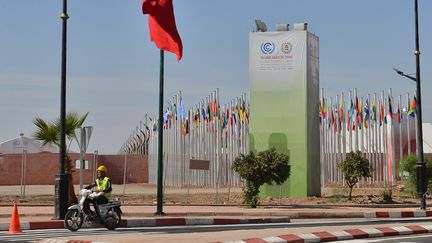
{"points": [[110, 213]]}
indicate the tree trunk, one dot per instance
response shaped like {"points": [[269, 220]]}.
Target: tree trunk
{"points": [[72, 198], [350, 192]]}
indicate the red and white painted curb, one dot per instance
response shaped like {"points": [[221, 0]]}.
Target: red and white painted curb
{"points": [[325, 236], [357, 214], [174, 221], [165, 221], [68, 241], [398, 214], [177, 221]]}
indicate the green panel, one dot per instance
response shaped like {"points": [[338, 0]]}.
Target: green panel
{"points": [[270, 127]]}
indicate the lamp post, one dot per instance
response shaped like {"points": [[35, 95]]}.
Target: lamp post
{"points": [[61, 185], [421, 166]]}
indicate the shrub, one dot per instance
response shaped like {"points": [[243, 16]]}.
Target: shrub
{"points": [[407, 168], [387, 194], [268, 166]]}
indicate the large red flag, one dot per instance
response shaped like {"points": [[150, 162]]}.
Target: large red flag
{"points": [[163, 30]]}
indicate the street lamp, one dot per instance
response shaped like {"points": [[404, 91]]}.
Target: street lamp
{"points": [[61, 183], [421, 166], [405, 75]]}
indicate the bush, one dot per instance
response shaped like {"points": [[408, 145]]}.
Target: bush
{"points": [[408, 169], [354, 168], [268, 167], [387, 195]]}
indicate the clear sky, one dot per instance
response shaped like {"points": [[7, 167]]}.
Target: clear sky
{"points": [[113, 68]]}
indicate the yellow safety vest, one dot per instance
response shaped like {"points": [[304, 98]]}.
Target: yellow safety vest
{"points": [[103, 187]]}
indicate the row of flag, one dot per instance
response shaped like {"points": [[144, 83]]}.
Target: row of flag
{"points": [[359, 113], [208, 113], [207, 131], [362, 113]]}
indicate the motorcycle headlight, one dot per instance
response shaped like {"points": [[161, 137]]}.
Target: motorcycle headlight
{"points": [[83, 192]]}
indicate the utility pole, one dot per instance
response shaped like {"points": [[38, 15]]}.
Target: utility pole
{"points": [[61, 181]]}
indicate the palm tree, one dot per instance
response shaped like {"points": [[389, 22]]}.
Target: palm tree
{"points": [[49, 134]]}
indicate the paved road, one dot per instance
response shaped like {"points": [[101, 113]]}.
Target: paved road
{"points": [[196, 234], [35, 235], [426, 238]]}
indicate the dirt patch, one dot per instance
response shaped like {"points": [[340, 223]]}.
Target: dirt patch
{"points": [[329, 196]]}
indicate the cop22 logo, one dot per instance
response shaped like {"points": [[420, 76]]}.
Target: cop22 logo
{"points": [[267, 47]]}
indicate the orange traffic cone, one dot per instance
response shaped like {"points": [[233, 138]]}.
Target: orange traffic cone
{"points": [[15, 226]]}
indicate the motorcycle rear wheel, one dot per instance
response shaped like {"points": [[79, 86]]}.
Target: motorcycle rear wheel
{"points": [[73, 220], [112, 219]]}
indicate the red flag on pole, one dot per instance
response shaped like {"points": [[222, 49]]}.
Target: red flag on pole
{"points": [[163, 30]]}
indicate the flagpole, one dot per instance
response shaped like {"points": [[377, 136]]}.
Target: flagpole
{"points": [[361, 136], [349, 124], [330, 132], [356, 123], [361, 127], [392, 143], [343, 129], [218, 144], [340, 134], [375, 136], [400, 128], [327, 144], [385, 140], [380, 141], [338, 152], [322, 163], [177, 134], [368, 134], [380, 148], [159, 210], [408, 126]]}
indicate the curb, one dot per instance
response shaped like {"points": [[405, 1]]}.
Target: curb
{"points": [[377, 214], [401, 214], [259, 218], [292, 215], [153, 222], [325, 236]]}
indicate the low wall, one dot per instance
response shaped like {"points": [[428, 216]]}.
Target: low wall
{"points": [[41, 168]]}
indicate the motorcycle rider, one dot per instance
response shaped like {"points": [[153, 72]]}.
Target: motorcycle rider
{"points": [[103, 188]]}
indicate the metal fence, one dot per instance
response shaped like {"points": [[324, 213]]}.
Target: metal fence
{"points": [[382, 129]]}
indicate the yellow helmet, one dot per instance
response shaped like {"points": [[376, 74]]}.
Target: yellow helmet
{"points": [[102, 168]]}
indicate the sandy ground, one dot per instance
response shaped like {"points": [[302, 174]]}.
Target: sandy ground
{"points": [[146, 194]]}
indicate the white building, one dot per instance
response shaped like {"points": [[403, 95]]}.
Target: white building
{"points": [[19, 144], [427, 138]]}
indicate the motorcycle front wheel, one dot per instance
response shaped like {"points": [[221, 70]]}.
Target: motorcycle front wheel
{"points": [[73, 220], [112, 219]]}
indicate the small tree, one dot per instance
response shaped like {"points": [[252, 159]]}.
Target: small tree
{"points": [[267, 167], [353, 168]]}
